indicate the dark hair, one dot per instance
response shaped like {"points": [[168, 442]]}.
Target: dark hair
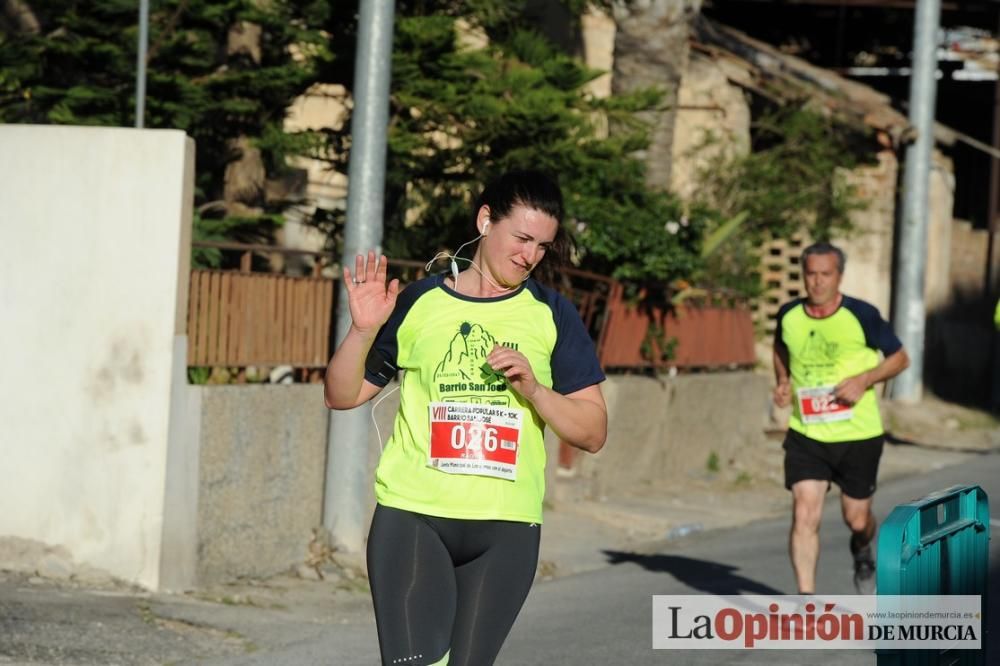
{"points": [[536, 190], [824, 248], [528, 188]]}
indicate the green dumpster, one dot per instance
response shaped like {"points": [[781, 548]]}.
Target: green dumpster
{"points": [[936, 545]]}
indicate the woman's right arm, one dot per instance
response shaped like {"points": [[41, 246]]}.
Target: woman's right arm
{"points": [[345, 386], [371, 302]]}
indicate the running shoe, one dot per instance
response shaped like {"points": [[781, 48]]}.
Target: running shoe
{"points": [[864, 572]]}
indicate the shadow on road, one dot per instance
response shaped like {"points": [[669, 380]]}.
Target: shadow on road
{"points": [[702, 575]]}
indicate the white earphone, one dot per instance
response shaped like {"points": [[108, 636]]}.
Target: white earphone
{"points": [[453, 258], [454, 264]]}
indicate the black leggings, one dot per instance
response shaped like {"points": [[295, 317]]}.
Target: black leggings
{"points": [[441, 584]]}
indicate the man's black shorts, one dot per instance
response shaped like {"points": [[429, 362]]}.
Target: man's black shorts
{"points": [[851, 465]]}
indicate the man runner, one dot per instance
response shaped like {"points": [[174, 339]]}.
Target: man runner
{"points": [[826, 361]]}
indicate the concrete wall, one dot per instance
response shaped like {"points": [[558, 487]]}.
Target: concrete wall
{"points": [[263, 461], [263, 452], [93, 291], [661, 431], [263, 455]]}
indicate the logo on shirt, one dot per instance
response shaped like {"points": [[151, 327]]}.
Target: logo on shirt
{"points": [[464, 371], [817, 349], [817, 356]]}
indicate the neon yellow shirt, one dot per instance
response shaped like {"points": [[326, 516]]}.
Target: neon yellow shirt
{"points": [[440, 339], [824, 351]]}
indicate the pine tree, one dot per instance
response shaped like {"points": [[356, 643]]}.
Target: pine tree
{"points": [[224, 71], [461, 115]]}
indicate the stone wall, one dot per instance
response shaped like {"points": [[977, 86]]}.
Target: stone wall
{"points": [[713, 120], [868, 274]]}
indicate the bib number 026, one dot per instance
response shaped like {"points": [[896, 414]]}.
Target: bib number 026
{"points": [[475, 439], [484, 437]]}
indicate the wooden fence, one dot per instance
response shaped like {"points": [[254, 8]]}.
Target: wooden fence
{"points": [[238, 318]]}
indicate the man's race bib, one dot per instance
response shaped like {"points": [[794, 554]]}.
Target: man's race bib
{"points": [[819, 405], [475, 439]]}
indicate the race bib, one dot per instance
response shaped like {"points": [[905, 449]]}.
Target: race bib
{"points": [[475, 439], [819, 405]]}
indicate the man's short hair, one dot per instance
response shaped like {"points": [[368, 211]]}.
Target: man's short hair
{"points": [[824, 248]]}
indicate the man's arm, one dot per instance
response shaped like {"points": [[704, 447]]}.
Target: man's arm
{"points": [[853, 388], [783, 384]]}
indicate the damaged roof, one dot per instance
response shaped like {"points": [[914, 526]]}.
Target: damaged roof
{"points": [[766, 71]]}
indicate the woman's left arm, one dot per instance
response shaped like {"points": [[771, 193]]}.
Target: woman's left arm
{"points": [[579, 418]]}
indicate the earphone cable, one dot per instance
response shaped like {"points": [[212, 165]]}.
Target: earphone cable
{"points": [[378, 433]]}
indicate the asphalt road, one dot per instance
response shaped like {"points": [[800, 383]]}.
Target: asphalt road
{"points": [[600, 617], [604, 617]]}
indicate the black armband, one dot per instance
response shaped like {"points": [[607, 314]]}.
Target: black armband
{"points": [[378, 365]]}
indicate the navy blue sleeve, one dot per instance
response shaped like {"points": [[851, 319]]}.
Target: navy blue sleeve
{"points": [[574, 359], [878, 332], [782, 311], [380, 365]]}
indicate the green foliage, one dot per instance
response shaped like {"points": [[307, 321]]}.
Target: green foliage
{"points": [[636, 234], [198, 375], [461, 116], [722, 233], [788, 182], [231, 228], [80, 69], [657, 347]]}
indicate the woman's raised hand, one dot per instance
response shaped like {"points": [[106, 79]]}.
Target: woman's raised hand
{"points": [[370, 299]]}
